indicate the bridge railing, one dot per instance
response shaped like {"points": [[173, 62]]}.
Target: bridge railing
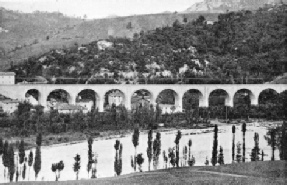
{"points": [[138, 81]]}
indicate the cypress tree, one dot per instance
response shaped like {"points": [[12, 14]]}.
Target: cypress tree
{"points": [[156, 149], [5, 156], [233, 142], [177, 139], [24, 170], [214, 148], [220, 156], [37, 163], [30, 161], [21, 151], [243, 147], [11, 162], [90, 154], [255, 151], [189, 147], [135, 140], [149, 148], [77, 165]]}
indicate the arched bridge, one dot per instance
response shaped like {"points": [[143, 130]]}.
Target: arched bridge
{"points": [[18, 91]]}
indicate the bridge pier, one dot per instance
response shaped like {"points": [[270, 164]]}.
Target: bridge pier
{"points": [[203, 102]]}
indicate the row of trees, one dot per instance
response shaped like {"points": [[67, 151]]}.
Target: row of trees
{"points": [[17, 166]]}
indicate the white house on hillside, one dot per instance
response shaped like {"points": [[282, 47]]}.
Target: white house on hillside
{"points": [[7, 78], [9, 106]]}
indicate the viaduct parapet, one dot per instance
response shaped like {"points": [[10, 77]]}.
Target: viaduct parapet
{"points": [[18, 91]]}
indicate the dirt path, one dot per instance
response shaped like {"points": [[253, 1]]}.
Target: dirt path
{"points": [[222, 173]]}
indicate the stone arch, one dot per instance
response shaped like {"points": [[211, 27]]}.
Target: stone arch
{"points": [[192, 98], [58, 96], [33, 96], [87, 98], [141, 96], [115, 96], [219, 97], [268, 95], [169, 101]]}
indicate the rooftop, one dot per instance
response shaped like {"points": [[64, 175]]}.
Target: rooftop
{"points": [[66, 106], [6, 101], [7, 74]]}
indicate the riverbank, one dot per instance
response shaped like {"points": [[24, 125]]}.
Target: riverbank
{"points": [[67, 138], [263, 172]]}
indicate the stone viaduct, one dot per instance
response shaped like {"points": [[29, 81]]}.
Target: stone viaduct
{"points": [[18, 91]]}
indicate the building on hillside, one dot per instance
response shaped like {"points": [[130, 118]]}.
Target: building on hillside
{"points": [[86, 103], [7, 78], [66, 108], [9, 106]]}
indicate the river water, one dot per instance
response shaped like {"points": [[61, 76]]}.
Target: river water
{"points": [[202, 140]]}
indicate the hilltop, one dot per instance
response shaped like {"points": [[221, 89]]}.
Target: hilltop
{"points": [[222, 6], [30, 34]]}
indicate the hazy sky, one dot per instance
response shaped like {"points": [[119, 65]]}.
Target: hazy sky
{"points": [[98, 8]]}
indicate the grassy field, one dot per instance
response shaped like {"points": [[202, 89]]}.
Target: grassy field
{"points": [[271, 172]]}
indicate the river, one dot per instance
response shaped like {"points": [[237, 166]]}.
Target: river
{"points": [[202, 140]]}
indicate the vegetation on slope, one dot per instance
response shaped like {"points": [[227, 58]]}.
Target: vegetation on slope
{"points": [[239, 47]]}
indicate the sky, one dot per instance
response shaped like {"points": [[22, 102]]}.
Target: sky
{"points": [[98, 8]]}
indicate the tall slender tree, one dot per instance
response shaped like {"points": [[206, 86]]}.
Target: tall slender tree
{"points": [[5, 156], [189, 148], [30, 162], [176, 141], [149, 148], [233, 142], [38, 160], [21, 153], [214, 148], [11, 166], [37, 163], [255, 152], [135, 140], [243, 147], [156, 149], [77, 165], [24, 169], [220, 156], [90, 154]]}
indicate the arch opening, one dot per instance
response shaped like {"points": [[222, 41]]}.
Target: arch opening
{"points": [[87, 99], [191, 99], [268, 96], [141, 98], [218, 97], [243, 97], [58, 97], [114, 97], [33, 96], [168, 101]]}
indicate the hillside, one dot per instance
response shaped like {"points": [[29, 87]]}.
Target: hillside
{"points": [[241, 47], [23, 35], [222, 6]]}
